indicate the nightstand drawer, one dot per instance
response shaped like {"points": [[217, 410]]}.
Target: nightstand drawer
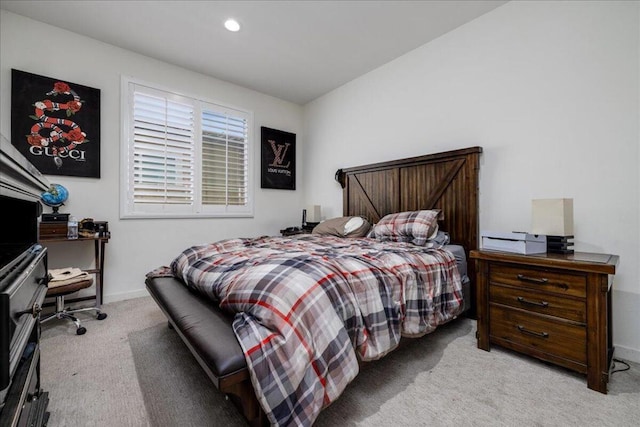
{"points": [[539, 302], [558, 282], [557, 338]]}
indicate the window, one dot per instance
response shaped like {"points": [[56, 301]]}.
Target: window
{"points": [[183, 156]]}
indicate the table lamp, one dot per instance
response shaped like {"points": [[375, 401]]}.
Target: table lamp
{"points": [[311, 216], [554, 218]]}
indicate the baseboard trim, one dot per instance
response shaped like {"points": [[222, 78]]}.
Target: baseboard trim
{"points": [[125, 295], [626, 353]]}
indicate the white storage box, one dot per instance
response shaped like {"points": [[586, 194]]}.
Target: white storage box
{"points": [[520, 243]]}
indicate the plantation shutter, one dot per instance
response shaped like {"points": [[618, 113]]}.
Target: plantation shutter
{"points": [[184, 156], [224, 159], [163, 151]]}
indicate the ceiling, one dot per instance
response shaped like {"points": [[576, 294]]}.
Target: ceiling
{"points": [[293, 50]]}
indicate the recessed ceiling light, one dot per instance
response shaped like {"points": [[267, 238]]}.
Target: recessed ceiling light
{"points": [[232, 25]]}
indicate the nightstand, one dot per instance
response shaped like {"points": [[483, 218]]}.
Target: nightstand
{"points": [[555, 307], [292, 231]]}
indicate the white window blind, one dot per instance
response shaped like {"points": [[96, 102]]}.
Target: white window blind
{"points": [[185, 156], [163, 141], [224, 159]]}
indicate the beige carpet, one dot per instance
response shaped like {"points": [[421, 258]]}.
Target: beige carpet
{"points": [[131, 370]]}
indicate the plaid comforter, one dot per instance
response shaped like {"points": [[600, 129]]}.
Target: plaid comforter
{"points": [[307, 307]]}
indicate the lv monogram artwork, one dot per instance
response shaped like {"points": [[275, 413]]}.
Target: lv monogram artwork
{"points": [[278, 165]]}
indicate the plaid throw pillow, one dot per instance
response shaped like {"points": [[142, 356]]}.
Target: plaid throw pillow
{"points": [[416, 227]]}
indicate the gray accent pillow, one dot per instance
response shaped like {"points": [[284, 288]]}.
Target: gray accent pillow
{"points": [[336, 227]]}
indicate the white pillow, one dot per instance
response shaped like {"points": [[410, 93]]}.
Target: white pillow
{"points": [[353, 224]]}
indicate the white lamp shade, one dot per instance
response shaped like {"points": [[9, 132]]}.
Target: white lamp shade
{"points": [[552, 217], [313, 213]]}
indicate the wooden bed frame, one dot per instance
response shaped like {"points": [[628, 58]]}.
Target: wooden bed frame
{"points": [[447, 181]]}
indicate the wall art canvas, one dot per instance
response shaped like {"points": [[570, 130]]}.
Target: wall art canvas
{"points": [[278, 166], [56, 124]]}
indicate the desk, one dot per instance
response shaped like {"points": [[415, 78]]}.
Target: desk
{"points": [[99, 245]]}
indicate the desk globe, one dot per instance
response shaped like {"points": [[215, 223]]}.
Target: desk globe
{"points": [[55, 197]]}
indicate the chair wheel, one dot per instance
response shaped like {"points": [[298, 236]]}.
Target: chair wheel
{"points": [[102, 316], [81, 330]]}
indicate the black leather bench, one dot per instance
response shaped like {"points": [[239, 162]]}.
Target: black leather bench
{"points": [[207, 332]]}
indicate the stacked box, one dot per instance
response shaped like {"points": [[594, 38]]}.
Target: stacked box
{"points": [[516, 242]]}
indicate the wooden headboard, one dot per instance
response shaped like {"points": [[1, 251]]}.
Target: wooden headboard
{"points": [[447, 181]]}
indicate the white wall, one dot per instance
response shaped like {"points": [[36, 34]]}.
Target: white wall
{"points": [[550, 90], [137, 246]]}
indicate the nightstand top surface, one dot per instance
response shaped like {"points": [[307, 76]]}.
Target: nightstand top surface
{"points": [[588, 261]]}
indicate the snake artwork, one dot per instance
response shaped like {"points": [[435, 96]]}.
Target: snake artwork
{"points": [[63, 134]]}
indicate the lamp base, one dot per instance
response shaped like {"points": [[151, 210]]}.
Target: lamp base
{"points": [[560, 244], [308, 226]]}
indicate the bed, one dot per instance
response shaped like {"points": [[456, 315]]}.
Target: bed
{"points": [[266, 352]]}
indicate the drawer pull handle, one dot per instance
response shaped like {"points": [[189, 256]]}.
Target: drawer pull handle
{"points": [[33, 311], [543, 304], [532, 279], [536, 334]]}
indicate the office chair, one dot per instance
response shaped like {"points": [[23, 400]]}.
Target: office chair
{"points": [[59, 293]]}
